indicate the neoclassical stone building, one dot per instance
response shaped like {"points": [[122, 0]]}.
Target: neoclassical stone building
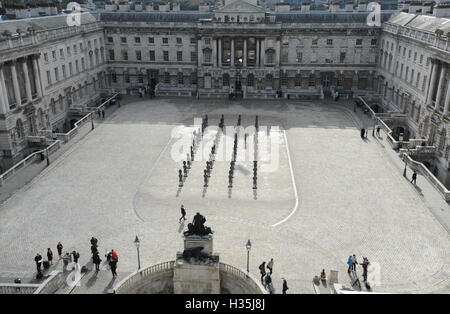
{"points": [[46, 67]]}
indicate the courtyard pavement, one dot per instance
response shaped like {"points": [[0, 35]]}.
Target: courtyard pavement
{"points": [[120, 181]]}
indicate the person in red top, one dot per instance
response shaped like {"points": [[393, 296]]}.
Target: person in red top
{"points": [[114, 255]]}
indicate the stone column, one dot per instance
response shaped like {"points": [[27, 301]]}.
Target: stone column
{"points": [[262, 52], [440, 87], [27, 80], [432, 82], [220, 52], [278, 52], [232, 53], [447, 99], [37, 77], [16, 84], [214, 53], [245, 52], [4, 105], [257, 52]]}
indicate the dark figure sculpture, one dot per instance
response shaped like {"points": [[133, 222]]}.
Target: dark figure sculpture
{"points": [[197, 227]]}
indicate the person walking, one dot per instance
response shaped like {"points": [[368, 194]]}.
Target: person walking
{"points": [[183, 213], [96, 260], [59, 247], [364, 265], [377, 127], [262, 270], [350, 264], [113, 265], [414, 177], [103, 114], [99, 113], [285, 286], [38, 260], [354, 262], [268, 283], [75, 256], [50, 256], [94, 241], [270, 265], [363, 133]]}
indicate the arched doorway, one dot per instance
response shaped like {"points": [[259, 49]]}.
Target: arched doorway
{"points": [[397, 131]]}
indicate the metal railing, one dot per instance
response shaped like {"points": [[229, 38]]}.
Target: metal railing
{"points": [[246, 276], [18, 288]]}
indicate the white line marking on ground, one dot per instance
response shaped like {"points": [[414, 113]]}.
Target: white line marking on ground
{"points": [[146, 179], [293, 183]]}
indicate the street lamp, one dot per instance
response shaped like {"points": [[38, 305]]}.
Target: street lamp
{"points": [[248, 246], [404, 159], [137, 243]]}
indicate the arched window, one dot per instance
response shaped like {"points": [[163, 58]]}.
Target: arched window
{"points": [[250, 80], [269, 81], [270, 56], [61, 102], [226, 80], [298, 80]]}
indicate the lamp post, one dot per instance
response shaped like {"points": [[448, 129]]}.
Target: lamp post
{"points": [[92, 121], [137, 243], [374, 121], [248, 246], [404, 159]]}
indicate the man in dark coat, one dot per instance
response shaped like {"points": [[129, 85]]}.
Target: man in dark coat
{"points": [[113, 265], [38, 260], [96, 260], [363, 132], [414, 177], [285, 286], [183, 213]]}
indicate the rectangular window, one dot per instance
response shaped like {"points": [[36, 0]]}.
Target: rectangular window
{"points": [[166, 55], [137, 40], [45, 57], [125, 55], [111, 55], [373, 42], [342, 57], [359, 42], [110, 40], [56, 74], [193, 56], [179, 41], [127, 78], [329, 42], [123, 40], [179, 55], [151, 40], [315, 42], [77, 67], [207, 41], [68, 51], [138, 55], [152, 55], [54, 55], [165, 40], [166, 78], [299, 57], [114, 77], [61, 53], [64, 71], [70, 69], [193, 40], [180, 78], [140, 78], [49, 78], [82, 64], [312, 81]]}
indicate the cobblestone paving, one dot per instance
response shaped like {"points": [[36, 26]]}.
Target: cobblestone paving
{"points": [[120, 181]]}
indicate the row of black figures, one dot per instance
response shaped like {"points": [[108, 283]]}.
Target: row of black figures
{"points": [[212, 155], [255, 161], [233, 159]]}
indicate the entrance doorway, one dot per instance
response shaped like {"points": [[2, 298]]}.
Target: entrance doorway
{"points": [[238, 83]]}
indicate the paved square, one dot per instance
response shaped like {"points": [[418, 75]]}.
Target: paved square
{"points": [[121, 181]]}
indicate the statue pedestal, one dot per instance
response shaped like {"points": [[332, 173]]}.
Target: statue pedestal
{"points": [[194, 241], [193, 276]]}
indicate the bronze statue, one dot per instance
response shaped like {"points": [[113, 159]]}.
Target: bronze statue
{"points": [[197, 227]]}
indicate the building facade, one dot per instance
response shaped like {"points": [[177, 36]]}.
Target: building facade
{"points": [[47, 67]]}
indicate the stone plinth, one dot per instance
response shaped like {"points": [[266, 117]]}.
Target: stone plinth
{"points": [[194, 241], [195, 278]]}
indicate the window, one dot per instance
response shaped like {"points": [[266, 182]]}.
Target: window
{"points": [[421, 59], [194, 78], [46, 57], [68, 51], [283, 79], [329, 42], [114, 77], [82, 64], [193, 56], [285, 57], [166, 78], [137, 40], [64, 71], [77, 66], [49, 78], [179, 41], [342, 57], [314, 57], [269, 81], [74, 48], [193, 40], [298, 80], [166, 55], [409, 54], [123, 40], [180, 78], [56, 74], [138, 55], [207, 41], [165, 40], [111, 55], [152, 55], [54, 55], [207, 55], [315, 42], [415, 56], [373, 42], [61, 53], [179, 55], [151, 40], [124, 55], [226, 80], [140, 78], [270, 56], [299, 57], [110, 40], [70, 69], [359, 42], [127, 78], [312, 81], [250, 80]]}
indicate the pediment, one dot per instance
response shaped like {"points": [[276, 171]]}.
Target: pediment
{"points": [[240, 6]]}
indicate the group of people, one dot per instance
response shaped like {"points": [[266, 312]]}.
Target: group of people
{"points": [[266, 278], [101, 113], [112, 258], [146, 90], [352, 262]]}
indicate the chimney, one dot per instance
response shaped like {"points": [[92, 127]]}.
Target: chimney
{"points": [[349, 6], [175, 7], [334, 6], [164, 7], [442, 10], [362, 6], [204, 7], [282, 7], [149, 6]]}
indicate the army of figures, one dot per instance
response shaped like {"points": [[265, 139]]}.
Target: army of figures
{"points": [[197, 138]]}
